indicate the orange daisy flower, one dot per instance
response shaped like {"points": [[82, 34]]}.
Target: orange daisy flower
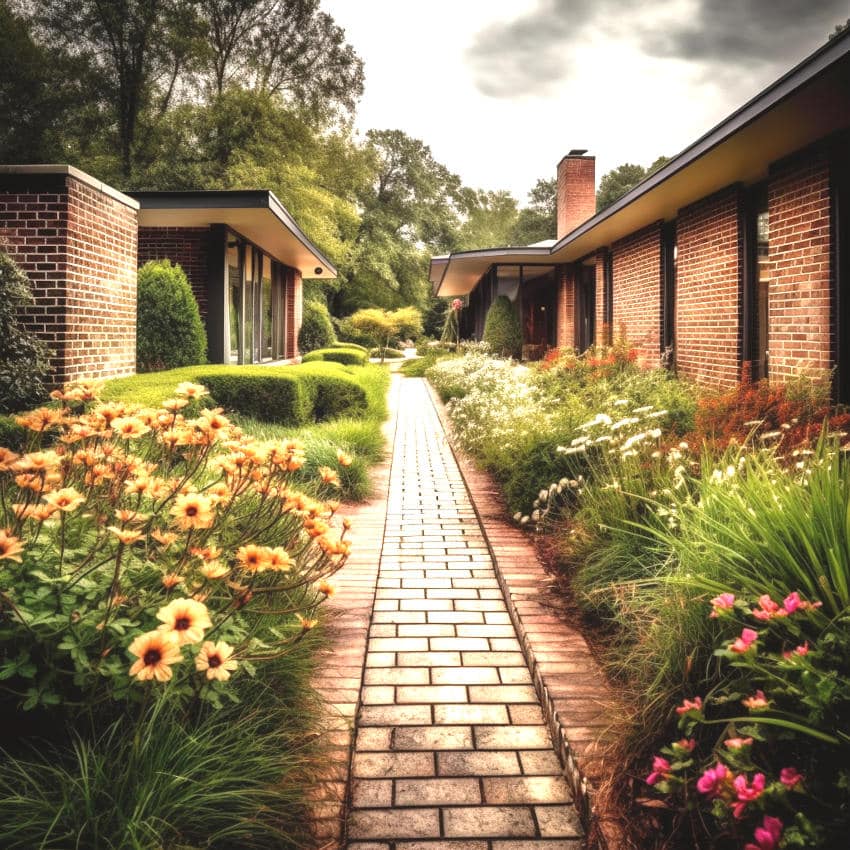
{"points": [[254, 558], [208, 553], [329, 476], [170, 580], [125, 535], [165, 538], [280, 560], [326, 588], [129, 427], [343, 458], [216, 659], [192, 510], [156, 652], [214, 570], [67, 499], [172, 405], [306, 622], [41, 419], [189, 390], [10, 547], [125, 515], [187, 619], [8, 459]]}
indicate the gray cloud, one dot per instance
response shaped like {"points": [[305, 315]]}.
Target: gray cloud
{"points": [[531, 54]]}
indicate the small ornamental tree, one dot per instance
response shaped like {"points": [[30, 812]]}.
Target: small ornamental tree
{"points": [[382, 326], [24, 364], [316, 328], [170, 332], [502, 331]]}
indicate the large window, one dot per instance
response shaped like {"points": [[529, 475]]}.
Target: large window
{"points": [[585, 306], [669, 257], [256, 295], [756, 318]]}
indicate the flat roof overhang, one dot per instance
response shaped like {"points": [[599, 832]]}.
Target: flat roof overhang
{"points": [[255, 214], [458, 274], [809, 103]]}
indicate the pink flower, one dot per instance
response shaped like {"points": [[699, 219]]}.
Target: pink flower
{"points": [[768, 609], [660, 770], [803, 649], [789, 777], [757, 702], [767, 835], [686, 745], [792, 602], [747, 792], [724, 602], [738, 743], [690, 705], [457, 304], [712, 780], [743, 643]]}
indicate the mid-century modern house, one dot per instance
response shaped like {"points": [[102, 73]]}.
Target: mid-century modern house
{"points": [[81, 242], [733, 258]]}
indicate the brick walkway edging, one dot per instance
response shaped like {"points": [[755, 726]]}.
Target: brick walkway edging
{"points": [[572, 688]]}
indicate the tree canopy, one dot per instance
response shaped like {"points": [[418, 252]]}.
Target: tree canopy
{"points": [[227, 94], [621, 179]]}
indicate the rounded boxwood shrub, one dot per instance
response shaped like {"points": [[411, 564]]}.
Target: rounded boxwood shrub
{"points": [[24, 365], [170, 332], [502, 331], [316, 328], [352, 345], [346, 356]]}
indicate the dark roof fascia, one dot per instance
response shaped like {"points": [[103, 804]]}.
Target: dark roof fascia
{"points": [[484, 253], [788, 84], [225, 199]]}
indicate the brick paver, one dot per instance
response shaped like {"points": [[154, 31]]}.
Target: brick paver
{"points": [[451, 749]]}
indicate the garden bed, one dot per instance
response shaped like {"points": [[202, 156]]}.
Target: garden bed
{"points": [[662, 505], [162, 571]]}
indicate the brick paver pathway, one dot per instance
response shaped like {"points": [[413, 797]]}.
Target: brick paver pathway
{"points": [[451, 749]]}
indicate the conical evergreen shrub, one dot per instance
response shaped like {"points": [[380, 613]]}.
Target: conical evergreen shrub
{"points": [[502, 331]]}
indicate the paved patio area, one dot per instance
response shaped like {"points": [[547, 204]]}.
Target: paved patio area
{"points": [[451, 746]]}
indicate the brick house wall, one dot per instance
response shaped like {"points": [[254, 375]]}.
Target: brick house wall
{"points": [[188, 247], [603, 332], [566, 307], [708, 289], [637, 291], [76, 240], [799, 299]]}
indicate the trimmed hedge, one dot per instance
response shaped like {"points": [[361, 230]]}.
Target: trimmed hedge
{"points": [[316, 328], [169, 330], [289, 395], [352, 345], [345, 356]]}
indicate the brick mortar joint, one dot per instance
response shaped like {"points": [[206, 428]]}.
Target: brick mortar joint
{"points": [[583, 791]]}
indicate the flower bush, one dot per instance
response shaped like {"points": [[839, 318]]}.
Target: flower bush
{"points": [[142, 548], [777, 773]]}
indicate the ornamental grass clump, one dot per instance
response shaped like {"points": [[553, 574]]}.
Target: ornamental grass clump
{"points": [[144, 549]]}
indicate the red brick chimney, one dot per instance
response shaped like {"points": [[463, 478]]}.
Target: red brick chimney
{"points": [[576, 190]]}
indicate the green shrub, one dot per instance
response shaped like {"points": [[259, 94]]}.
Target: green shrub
{"points": [[347, 332], [12, 435], [502, 331], [316, 328], [170, 332], [386, 353], [24, 365], [351, 345], [273, 397], [346, 356], [332, 391]]}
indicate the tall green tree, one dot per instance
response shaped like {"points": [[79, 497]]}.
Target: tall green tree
{"points": [[409, 211], [622, 179], [285, 47], [136, 52], [538, 220], [490, 219]]}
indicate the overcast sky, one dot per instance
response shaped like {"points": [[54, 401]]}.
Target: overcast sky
{"points": [[502, 89]]}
